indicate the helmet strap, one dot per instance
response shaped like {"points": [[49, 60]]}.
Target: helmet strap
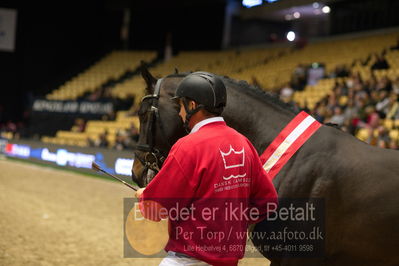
{"points": [[189, 114]]}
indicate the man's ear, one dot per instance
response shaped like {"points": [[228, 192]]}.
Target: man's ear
{"points": [[193, 105]]}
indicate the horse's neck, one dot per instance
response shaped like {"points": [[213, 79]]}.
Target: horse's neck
{"points": [[260, 122]]}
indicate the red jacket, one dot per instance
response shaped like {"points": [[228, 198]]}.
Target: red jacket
{"points": [[215, 179]]}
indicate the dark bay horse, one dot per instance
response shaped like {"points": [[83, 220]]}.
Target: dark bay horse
{"points": [[358, 182]]}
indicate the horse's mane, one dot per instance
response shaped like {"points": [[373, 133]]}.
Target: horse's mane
{"points": [[251, 90], [258, 93]]}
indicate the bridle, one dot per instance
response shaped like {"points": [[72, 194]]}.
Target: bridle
{"points": [[154, 157]]}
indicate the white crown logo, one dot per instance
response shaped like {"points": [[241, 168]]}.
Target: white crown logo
{"points": [[233, 159]]}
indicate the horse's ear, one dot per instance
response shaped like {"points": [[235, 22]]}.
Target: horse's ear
{"points": [[176, 70], [149, 79]]}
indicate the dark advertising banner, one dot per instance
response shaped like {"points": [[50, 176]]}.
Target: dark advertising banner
{"points": [[72, 107], [115, 162], [50, 116]]}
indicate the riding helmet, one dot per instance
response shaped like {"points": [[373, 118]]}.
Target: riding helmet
{"points": [[204, 88]]}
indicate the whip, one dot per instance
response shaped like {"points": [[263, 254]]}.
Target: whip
{"points": [[97, 168]]}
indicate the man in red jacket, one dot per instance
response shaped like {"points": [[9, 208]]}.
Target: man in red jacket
{"points": [[212, 184]]}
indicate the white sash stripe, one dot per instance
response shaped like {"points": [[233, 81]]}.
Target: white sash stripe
{"points": [[298, 131]]}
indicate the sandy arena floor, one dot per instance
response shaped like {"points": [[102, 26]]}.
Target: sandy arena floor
{"points": [[55, 217]]}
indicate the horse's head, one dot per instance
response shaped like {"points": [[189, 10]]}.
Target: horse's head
{"points": [[160, 126]]}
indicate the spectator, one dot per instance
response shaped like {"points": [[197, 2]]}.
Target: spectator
{"points": [[121, 141], [133, 133], [382, 105], [332, 101], [338, 118], [339, 72], [384, 84], [373, 118], [360, 92], [371, 84], [90, 142], [392, 109], [374, 97], [320, 113], [393, 144], [380, 63], [383, 138], [340, 89], [382, 144], [395, 86], [351, 111], [299, 78], [79, 125], [286, 93], [95, 96], [109, 117], [370, 121], [10, 127], [102, 141]]}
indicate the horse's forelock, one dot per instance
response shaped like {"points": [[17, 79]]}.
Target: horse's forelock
{"points": [[167, 88]]}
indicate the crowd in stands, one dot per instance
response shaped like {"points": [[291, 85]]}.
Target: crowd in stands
{"points": [[10, 128], [104, 94], [125, 139], [357, 103], [354, 103]]}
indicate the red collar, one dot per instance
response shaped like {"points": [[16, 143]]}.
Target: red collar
{"points": [[290, 139]]}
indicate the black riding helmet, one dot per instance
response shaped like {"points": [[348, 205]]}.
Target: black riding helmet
{"points": [[206, 89]]}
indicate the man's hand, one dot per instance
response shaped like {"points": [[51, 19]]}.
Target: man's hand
{"points": [[139, 192]]}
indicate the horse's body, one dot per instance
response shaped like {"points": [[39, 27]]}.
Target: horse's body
{"points": [[359, 183]]}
